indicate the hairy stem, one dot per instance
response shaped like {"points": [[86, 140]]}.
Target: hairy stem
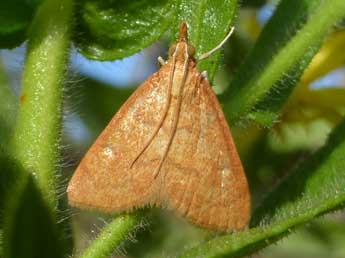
{"points": [[37, 131], [112, 236]]}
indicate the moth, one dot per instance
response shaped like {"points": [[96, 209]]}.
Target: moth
{"points": [[169, 145]]}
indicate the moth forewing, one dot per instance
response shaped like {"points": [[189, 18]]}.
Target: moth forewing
{"points": [[168, 145]]}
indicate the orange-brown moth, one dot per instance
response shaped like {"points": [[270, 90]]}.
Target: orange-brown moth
{"points": [[169, 145]]}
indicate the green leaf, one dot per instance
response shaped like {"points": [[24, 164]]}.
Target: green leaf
{"points": [[112, 30], [283, 51], [317, 186], [15, 18], [115, 29], [208, 23]]}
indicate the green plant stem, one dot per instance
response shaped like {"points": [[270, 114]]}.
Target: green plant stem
{"points": [[37, 133], [112, 236], [244, 97], [30, 216]]}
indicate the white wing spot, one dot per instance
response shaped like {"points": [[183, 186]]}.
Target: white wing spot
{"points": [[108, 152]]}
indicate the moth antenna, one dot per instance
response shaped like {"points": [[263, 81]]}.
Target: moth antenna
{"points": [[220, 45], [176, 117], [165, 112]]}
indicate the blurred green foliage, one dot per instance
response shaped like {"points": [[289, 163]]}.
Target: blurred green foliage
{"points": [[15, 18], [291, 136]]}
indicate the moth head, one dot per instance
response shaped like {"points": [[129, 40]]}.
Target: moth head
{"points": [[190, 49], [181, 48]]}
